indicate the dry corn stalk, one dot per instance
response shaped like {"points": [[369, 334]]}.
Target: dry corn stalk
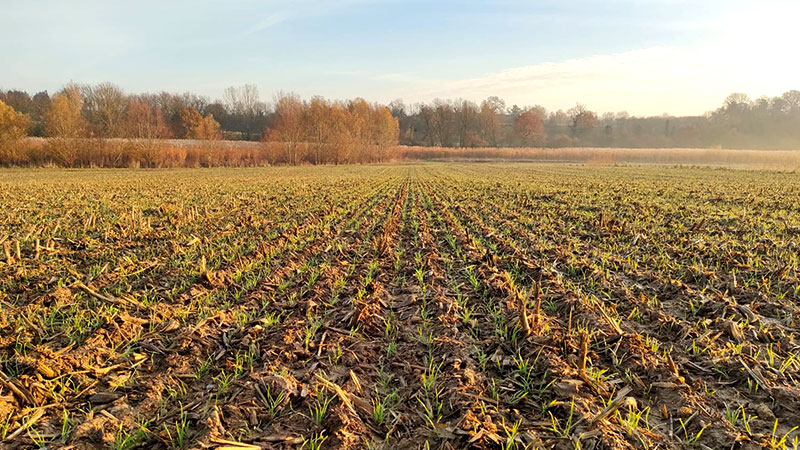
{"points": [[537, 301], [7, 252], [584, 350], [523, 300]]}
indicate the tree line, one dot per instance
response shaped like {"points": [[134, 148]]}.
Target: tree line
{"points": [[108, 112], [765, 123], [102, 125], [79, 121]]}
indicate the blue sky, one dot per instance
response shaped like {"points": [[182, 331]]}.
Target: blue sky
{"points": [[644, 56]]}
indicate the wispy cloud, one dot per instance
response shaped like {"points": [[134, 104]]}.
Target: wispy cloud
{"points": [[269, 21], [596, 80], [644, 81], [562, 73], [299, 9]]}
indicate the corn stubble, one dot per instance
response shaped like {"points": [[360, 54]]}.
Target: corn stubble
{"points": [[414, 306]]}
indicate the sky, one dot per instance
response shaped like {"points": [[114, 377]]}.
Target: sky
{"points": [[646, 57]]}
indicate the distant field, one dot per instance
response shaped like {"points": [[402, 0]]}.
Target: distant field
{"points": [[757, 159], [434, 305], [196, 153]]}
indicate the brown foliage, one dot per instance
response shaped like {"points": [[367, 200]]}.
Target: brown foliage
{"points": [[331, 132], [192, 125], [144, 122], [13, 128], [529, 129], [289, 126], [67, 127]]}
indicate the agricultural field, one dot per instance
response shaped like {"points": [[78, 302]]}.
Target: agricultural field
{"points": [[419, 306]]}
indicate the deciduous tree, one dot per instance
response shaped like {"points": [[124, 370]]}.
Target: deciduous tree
{"points": [[66, 126], [529, 129], [209, 129], [246, 109], [13, 129], [192, 125], [104, 106], [582, 121], [289, 125], [491, 127]]}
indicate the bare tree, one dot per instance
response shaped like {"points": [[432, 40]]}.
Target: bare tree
{"points": [[244, 105], [104, 105], [490, 126], [144, 122], [429, 124], [466, 122], [318, 126], [581, 120], [289, 125], [146, 128], [445, 123]]}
